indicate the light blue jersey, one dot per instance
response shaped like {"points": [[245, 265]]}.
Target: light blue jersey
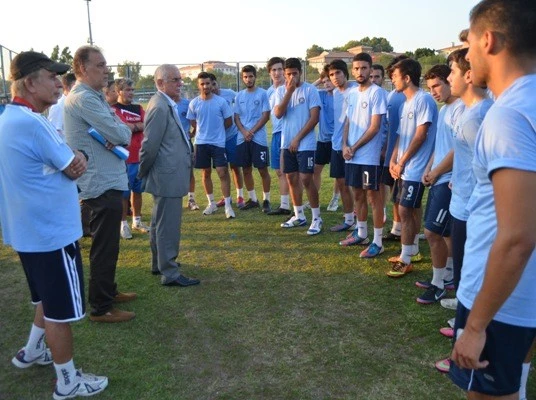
{"points": [[229, 96], [303, 99], [210, 116], [249, 106], [419, 110], [395, 100], [463, 179], [340, 104], [277, 123], [506, 139], [182, 110], [325, 123], [39, 208], [444, 143], [362, 105]]}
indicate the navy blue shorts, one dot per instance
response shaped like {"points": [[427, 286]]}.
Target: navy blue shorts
{"points": [[302, 161], [56, 280], [408, 193], [364, 177], [386, 177], [275, 151], [323, 153], [251, 153], [337, 164], [208, 155], [230, 150], [134, 183], [506, 347], [437, 215]]}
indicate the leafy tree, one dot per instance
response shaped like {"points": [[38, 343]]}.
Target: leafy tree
{"points": [[383, 59], [145, 82], [129, 69], [424, 52], [313, 51], [428, 62], [55, 56], [64, 57], [410, 54]]}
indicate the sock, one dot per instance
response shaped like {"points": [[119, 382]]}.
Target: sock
{"points": [[362, 229], [335, 196], [449, 270], [66, 374], [397, 228], [298, 212], [191, 195], [266, 196], [316, 212], [415, 245], [252, 195], [240, 192], [438, 277], [384, 215], [228, 202], [349, 218], [136, 220], [124, 222], [378, 234], [210, 198], [285, 201], [36, 342], [524, 378], [405, 255]]}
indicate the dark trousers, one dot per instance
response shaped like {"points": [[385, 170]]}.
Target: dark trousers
{"points": [[458, 234], [104, 223]]}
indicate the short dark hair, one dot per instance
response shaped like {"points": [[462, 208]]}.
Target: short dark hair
{"points": [[274, 60], [122, 83], [363, 57], [249, 68], [293, 63], [205, 75], [393, 62], [458, 56], [339, 65], [325, 72], [409, 67], [380, 67], [463, 35], [513, 20], [68, 79], [439, 71], [211, 76], [81, 57]]}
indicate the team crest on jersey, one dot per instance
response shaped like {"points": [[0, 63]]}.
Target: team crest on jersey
{"points": [[301, 100], [364, 104], [410, 115], [256, 102]]}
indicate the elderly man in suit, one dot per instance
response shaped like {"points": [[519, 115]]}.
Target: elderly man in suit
{"points": [[165, 166]]}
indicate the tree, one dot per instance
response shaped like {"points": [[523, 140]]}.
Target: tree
{"points": [[424, 52], [313, 51], [129, 69], [63, 57], [55, 56], [145, 82], [378, 44], [384, 60], [428, 62]]}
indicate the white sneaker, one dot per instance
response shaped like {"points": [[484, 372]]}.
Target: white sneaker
{"points": [[141, 227], [21, 360], [229, 213], [294, 222], [85, 385], [192, 205], [211, 209], [333, 204], [450, 304], [451, 322], [125, 231], [316, 227]]}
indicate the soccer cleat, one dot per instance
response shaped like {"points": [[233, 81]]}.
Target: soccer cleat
{"points": [[294, 222], [333, 204], [249, 205], [449, 285], [391, 237], [266, 208], [221, 203], [211, 209], [21, 361], [340, 227], [443, 365], [414, 258], [447, 332], [141, 227], [432, 295], [229, 213], [126, 233], [450, 304], [372, 251], [240, 202], [279, 211], [192, 205], [399, 269], [85, 385], [353, 239], [316, 227]]}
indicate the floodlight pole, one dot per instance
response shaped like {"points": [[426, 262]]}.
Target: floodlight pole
{"points": [[89, 23]]}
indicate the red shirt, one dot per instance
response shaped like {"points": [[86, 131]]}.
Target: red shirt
{"points": [[132, 113]]}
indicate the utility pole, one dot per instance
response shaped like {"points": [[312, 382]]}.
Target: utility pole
{"points": [[89, 23]]}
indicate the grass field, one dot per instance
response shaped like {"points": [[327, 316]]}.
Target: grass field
{"points": [[278, 315]]}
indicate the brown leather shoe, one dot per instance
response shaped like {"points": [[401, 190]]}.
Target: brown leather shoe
{"points": [[124, 297], [114, 315]]}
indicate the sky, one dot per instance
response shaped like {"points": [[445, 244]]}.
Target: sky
{"points": [[184, 32]]}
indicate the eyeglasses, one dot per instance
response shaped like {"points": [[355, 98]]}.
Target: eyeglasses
{"points": [[174, 80]]}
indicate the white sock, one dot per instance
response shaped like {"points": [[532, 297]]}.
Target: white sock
{"points": [[298, 212], [335, 196], [136, 220], [405, 255], [266, 196], [438, 277], [415, 245], [252, 195], [449, 270], [36, 342], [240, 192], [228, 202], [524, 378], [349, 218], [66, 374], [124, 222], [362, 230], [378, 234], [191, 195], [315, 212], [210, 198], [397, 228], [285, 201]]}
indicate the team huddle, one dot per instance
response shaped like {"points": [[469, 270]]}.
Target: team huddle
{"points": [[476, 153]]}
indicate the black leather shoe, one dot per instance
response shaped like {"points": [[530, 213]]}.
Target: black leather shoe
{"points": [[279, 211], [266, 207], [183, 281], [156, 272]]}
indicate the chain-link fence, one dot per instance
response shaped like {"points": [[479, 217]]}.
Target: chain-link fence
{"points": [[6, 55]]}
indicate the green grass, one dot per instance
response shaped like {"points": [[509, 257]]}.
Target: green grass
{"points": [[278, 315]]}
